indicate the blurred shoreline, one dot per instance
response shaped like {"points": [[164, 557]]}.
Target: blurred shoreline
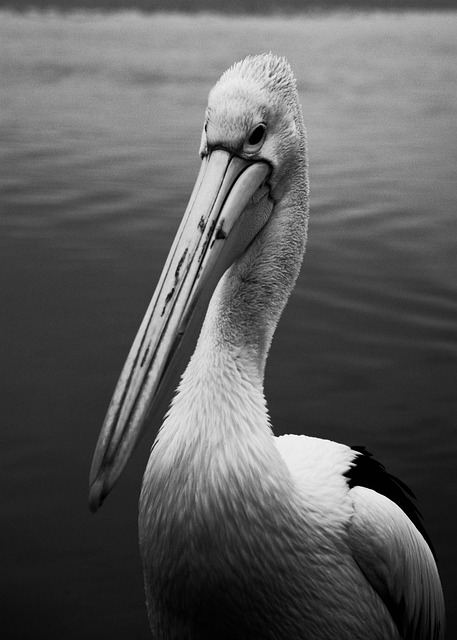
{"points": [[310, 12], [219, 7]]}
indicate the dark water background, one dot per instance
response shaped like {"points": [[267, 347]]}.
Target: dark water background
{"points": [[100, 120]]}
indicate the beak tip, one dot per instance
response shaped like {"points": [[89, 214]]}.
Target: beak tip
{"points": [[97, 494]]}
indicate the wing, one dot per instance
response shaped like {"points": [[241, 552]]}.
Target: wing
{"points": [[397, 561]]}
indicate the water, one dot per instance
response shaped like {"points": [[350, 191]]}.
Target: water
{"points": [[100, 123]]}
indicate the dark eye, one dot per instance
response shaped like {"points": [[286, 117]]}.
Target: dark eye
{"points": [[257, 134], [255, 139]]}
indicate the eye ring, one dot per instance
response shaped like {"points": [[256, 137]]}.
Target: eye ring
{"points": [[255, 139]]}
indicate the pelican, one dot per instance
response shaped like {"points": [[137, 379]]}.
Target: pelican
{"points": [[244, 535]]}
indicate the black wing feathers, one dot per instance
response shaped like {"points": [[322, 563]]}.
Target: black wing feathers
{"points": [[368, 472]]}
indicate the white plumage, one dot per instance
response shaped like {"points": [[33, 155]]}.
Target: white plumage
{"points": [[244, 535]]}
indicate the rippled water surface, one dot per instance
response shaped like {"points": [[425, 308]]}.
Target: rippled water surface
{"points": [[100, 122]]}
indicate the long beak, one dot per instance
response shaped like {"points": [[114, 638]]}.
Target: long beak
{"points": [[229, 205]]}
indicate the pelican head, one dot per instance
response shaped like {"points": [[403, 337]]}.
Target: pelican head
{"points": [[253, 112], [248, 207]]}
